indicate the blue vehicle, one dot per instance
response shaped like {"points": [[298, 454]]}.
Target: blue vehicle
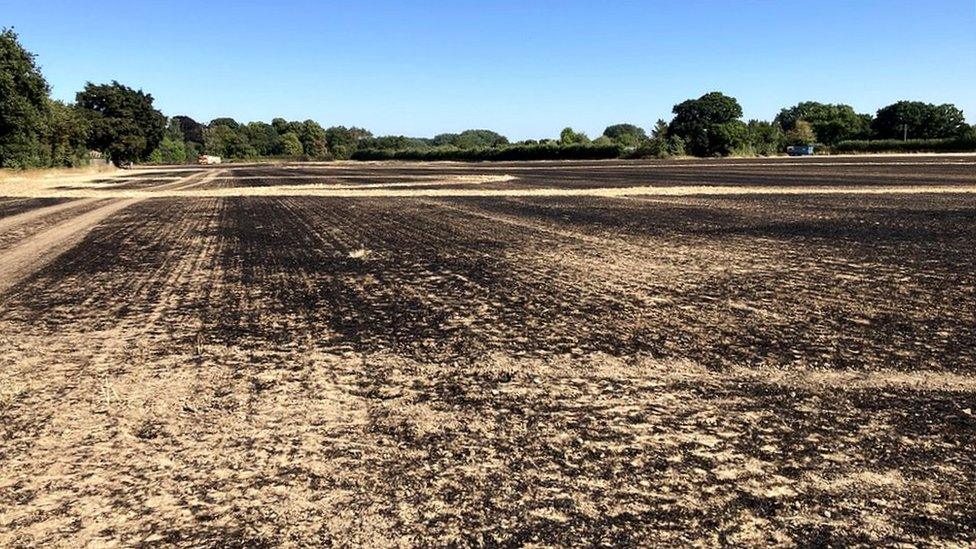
{"points": [[799, 150]]}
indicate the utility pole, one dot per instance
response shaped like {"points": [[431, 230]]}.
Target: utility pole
{"points": [[904, 130]]}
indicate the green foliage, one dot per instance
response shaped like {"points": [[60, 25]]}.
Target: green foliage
{"points": [[549, 151], [191, 130], [394, 143], [801, 134], [831, 123], [676, 146], [263, 137], [704, 124], [123, 121], [23, 104], [473, 139], [731, 138], [444, 140], [193, 150], [963, 144], [570, 137], [660, 144], [291, 145], [468, 139], [65, 136], [660, 130], [627, 135], [283, 126], [225, 121], [922, 121], [313, 139], [765, 138], [222, 140], [343, 141], [170, 151]]}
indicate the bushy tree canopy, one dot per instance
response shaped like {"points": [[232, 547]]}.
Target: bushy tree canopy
{"points": [[66, 136], [123, 121], [660, 130], [765, 138], [190, 128], [312, 136], [476, 139], [225, 121], [469, 139], [831, 123], [291, 145], [922, 121], [343, 141], [703, 123], [444, 140], [224, 141], [571, 137], [801, 134], [627, 135], [263, 137], [23, 104]]}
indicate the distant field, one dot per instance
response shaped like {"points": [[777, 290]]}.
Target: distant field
{"points": [[750, 352]]}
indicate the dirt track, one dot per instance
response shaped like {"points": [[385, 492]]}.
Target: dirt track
{"points": [[742, 352]]}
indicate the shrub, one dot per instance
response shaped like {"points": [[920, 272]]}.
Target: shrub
{"points": [[511, 152], [967, 144]]}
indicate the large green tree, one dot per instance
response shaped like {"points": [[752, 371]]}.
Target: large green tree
{"points": [[123, 121], [291, 145], [627, 135], [919, 120], [569, 136], [283, 126], [225, 121], [831, 123], [704, 124], [191, 129], [479, 139], [23, 104], [314, 143], [65, 136]]}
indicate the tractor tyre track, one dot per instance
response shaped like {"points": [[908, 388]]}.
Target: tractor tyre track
{"points": [[29, 256], [37, 250]]}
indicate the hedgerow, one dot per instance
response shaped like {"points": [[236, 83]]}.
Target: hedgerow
{"points": [[908, 146]]}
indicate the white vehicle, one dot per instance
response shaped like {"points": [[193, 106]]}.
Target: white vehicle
{"points": [[208, 159]]}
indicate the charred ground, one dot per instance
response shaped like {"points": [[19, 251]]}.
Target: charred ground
{"points": [[256, 370]]}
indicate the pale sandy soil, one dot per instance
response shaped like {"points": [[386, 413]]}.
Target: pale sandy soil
{"points": [[64, 174]]}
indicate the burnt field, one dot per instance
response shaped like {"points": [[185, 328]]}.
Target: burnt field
{"points": [[745, 352]]}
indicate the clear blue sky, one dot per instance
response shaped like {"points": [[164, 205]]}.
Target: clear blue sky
{"points": [[524, 68]]}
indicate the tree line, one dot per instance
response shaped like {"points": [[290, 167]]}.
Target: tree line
{"points": [[121, 123], [710, 125]]}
